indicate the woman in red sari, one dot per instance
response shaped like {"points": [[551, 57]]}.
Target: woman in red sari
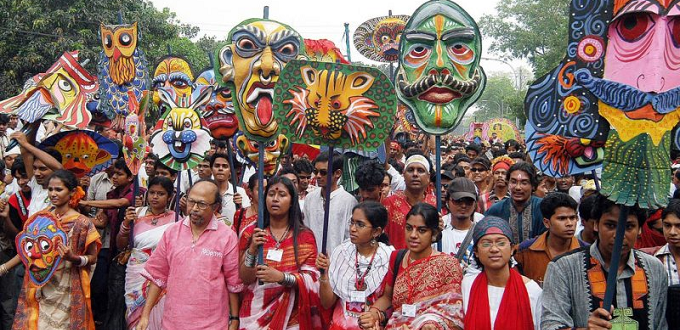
{"points": [[287, 296], [425, 293]]}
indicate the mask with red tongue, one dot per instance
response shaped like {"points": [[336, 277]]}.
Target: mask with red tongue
{"points": [[250, 65]]}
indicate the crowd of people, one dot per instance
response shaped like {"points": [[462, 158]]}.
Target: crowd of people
{"points": [[509, 248]]}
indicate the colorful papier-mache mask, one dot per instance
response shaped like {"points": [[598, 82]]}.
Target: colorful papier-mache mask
{"points": [[37, 246], [622, 71], [378, 38], [273, 150], [335, 104], [439, 74], [134, 139], [173, 74], [250, 66], [181, 139], [60, 94], [218, 113], [83, 152], [323, 50], [122, 68]]}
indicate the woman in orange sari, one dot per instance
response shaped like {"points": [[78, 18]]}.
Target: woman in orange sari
{"points": [[423, 286], [287, 296], [63, 301]]}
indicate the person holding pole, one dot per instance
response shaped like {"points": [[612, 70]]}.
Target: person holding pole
{"points": [[574, 286]]}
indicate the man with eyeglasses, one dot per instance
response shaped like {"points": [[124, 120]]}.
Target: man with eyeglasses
{"points": [[447, 178], [479, 174], [341, 204], [461, 198], [522, 209], [196, 263]]}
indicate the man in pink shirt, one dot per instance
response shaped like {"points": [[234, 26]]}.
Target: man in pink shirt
{"points": [[196, 261]]}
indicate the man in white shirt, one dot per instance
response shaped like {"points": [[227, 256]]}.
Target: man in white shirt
{"points": [[461, 198], [340, 209], [219, 165]]}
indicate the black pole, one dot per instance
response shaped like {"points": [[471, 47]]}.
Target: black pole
{"points": [[265, 12], [616, 257], [327, 199], [260, 205], [438, 180], [177, 209]]}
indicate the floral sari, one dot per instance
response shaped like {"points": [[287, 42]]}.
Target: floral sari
{"points": [[276, 307], [148, 231], [433, 285], [64, 301]]}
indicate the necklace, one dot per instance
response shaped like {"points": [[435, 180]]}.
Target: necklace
{"points": [[155, 217], [278, 242], [360, 279]]}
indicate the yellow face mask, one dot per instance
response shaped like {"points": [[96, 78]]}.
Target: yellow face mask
{"points": [[173, 74]]}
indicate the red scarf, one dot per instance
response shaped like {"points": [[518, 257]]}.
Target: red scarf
{"points": [[650, 237], [513, 313]]}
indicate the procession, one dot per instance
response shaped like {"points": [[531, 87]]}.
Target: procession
{"points": [[155, 179]]}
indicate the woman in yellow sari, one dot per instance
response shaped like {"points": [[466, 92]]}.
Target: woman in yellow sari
{"points": [[62, 301]]}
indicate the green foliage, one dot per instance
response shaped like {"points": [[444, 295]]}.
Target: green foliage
{"points": [[535, 29], [500, 99], [36, 32]]}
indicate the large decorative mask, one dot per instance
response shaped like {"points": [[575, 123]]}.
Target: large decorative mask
{"points": [[273, 150], [622, 71], [181, 139], [335, 104], [439, 74], [378, 38], [122, 68], [134, 140], [250, 66], [173, 73], [37, 246], [60, 94], [323, 50], [219, 112], [83, 152]]}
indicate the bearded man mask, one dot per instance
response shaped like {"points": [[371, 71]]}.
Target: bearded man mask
{"points": [[251, 64], [439, 75]]}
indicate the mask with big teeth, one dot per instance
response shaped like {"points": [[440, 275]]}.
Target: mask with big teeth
{"points": [[250, 66], [219, 112], [272, 152], [37, 246], [440, 76]]}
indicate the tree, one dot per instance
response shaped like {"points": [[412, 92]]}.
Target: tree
{"points": [[535, 29], [500, 99], [36, 32]]}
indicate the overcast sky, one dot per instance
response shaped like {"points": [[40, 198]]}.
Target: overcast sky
{"points": [[313, 19]]}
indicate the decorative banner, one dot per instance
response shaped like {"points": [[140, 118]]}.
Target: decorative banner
{"points": [[60, 94], [248, 149], [620, 71], [218, 113], [250, 65], [406, 121], [134, 140], [323, 50], [37, 246], [439, 75], [181, 139], [503, 128], [335, 104], [174, 74], [83, 152], [378, 38], [122, 68]]}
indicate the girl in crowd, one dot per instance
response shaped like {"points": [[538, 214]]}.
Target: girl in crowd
{"points": [[150, 222], [423, 286], [245, 216], [357, 267], [498, 297], [287, 295], [63, 302]]}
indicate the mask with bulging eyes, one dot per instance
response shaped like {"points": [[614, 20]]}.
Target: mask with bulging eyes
{"points": [[37, 247]]}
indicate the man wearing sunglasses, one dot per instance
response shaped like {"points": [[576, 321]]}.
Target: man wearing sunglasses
{"points": [[340, 208]]}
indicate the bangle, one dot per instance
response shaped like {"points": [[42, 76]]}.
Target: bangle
{"points": [[233, 318], [83, 261], [3, 270], [249, 260], [288, 280], [323, 280], [380, 314]]}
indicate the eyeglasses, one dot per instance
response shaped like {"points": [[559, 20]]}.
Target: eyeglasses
{"points": [[445, 186], [477, 169], [499, 244], [359, 225], [201, 205], [322, 172]]}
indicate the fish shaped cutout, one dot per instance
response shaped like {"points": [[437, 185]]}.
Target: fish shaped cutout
{"points": [[83, 152]]}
